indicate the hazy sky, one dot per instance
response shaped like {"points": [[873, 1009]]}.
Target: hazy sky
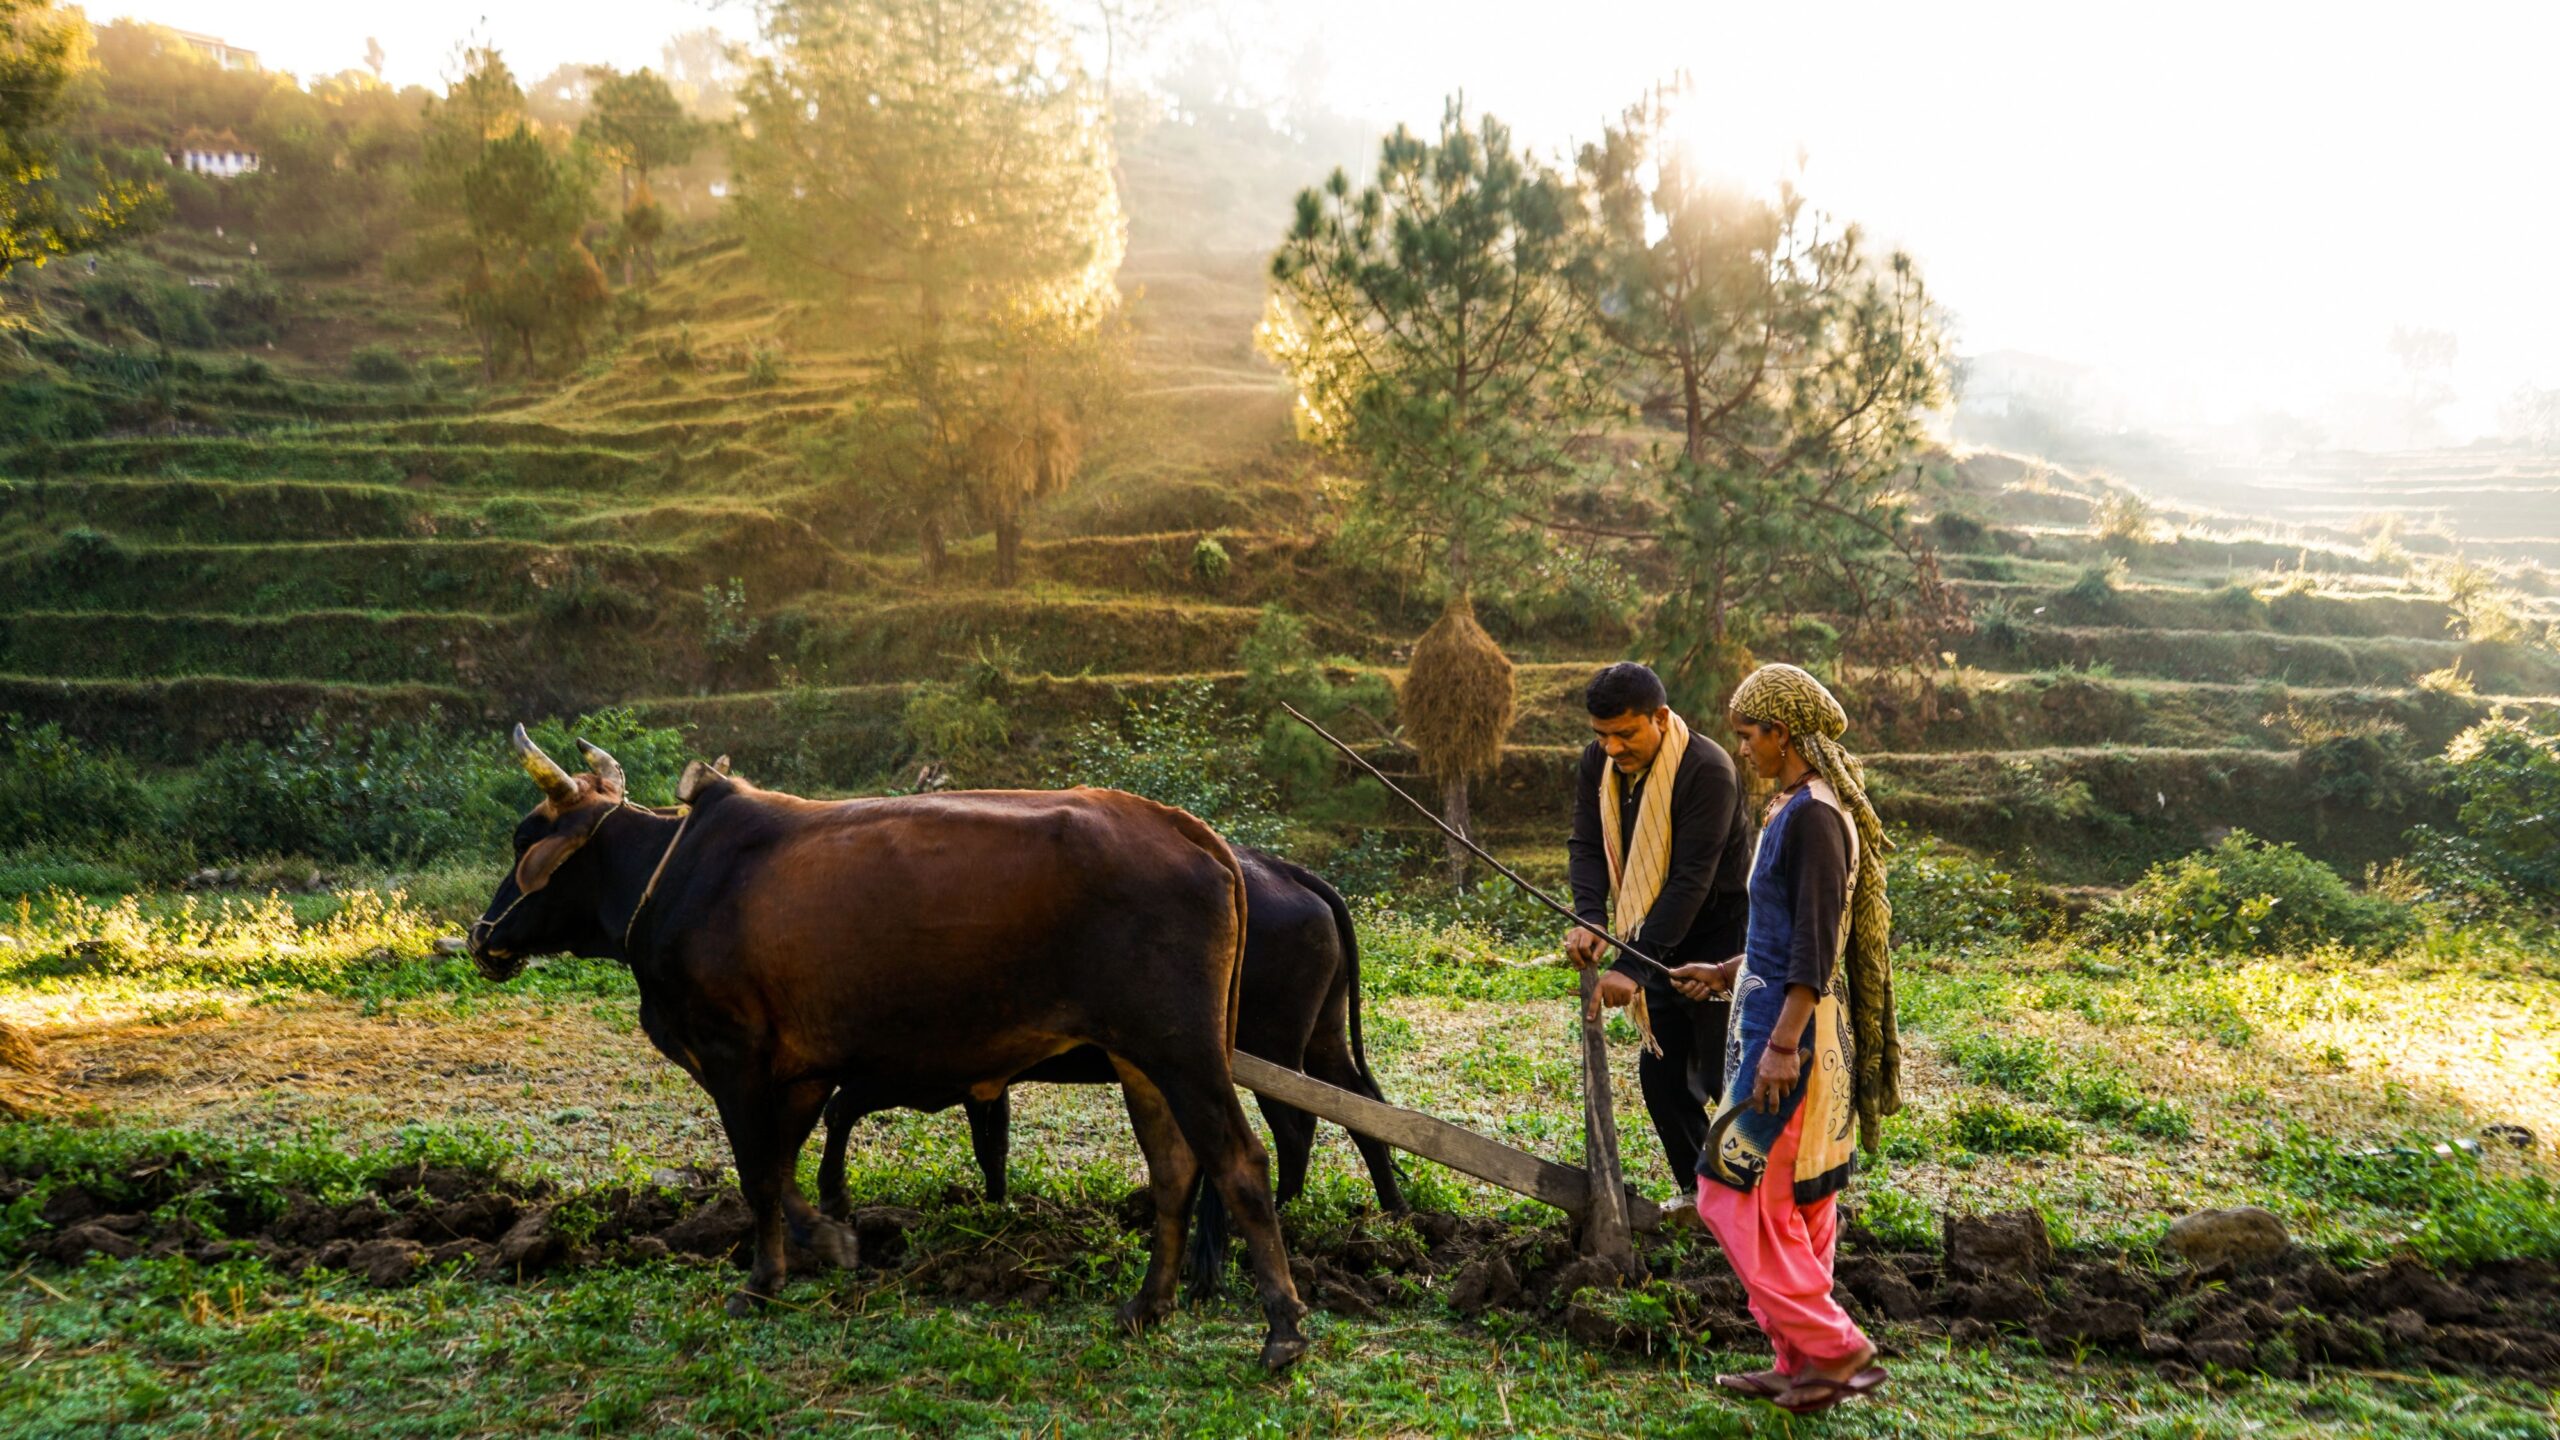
{"points": [[2223, 205]]}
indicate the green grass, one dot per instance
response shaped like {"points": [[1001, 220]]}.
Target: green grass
{"points": [[236, 1348]]}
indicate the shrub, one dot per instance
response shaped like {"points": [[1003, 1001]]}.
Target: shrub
{"points": [[954, 725], [1988, 1127], [727, 627], [250, 309], [403, 793], [2095, 591], [2247, 896], [1998, 623], [394, 795], [1183, 750], [1946, 900], [138, 295], [54, 790], [2124, 518], [764, 367], [2507, 850], [381, 365], [38, 410], [1209, 562]]}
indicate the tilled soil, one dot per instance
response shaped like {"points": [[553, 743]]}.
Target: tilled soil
{"points": [[1998, 1279]]}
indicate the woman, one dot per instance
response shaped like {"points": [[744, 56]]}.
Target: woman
{"points": [[1812, 1058]]}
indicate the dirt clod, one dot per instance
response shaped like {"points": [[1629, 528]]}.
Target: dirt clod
{"points": [[2013, 1244], [2241, 1237]]}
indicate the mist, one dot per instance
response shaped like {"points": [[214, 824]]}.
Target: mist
{"points": [[2216, 218]]}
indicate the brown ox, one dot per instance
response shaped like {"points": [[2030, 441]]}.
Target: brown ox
{"points": [[946, 943]]}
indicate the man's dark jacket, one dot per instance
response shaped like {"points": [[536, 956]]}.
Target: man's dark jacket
{"points": [[1700, 911]]}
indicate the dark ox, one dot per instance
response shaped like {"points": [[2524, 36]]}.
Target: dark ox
{"points": [[1300, 1008], [785, 948]]}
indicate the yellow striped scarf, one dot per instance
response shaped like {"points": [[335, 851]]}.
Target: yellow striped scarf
{"points": [[1636, 873]]}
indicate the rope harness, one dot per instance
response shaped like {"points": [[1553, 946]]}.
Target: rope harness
{"points": [[620, 804]]}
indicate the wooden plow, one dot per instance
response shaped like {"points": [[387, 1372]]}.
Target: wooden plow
{"points": [[1597, 1198]]}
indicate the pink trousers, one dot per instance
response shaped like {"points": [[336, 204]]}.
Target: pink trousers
{"points": [[1782, 1251]]}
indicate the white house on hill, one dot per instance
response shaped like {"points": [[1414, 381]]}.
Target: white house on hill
{"points": [[218, 50], [219, 154]]}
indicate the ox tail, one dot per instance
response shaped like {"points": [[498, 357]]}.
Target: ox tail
{"points": [[1351, 957], [1212, 1228]]}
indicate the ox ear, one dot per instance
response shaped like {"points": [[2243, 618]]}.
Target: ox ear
{"points": [[544, 857]]}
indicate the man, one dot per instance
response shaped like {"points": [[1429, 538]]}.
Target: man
{"points": [[1660, 855]]}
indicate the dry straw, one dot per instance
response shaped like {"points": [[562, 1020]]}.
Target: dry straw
{"points": [[24, 1092], [1458, 696]]}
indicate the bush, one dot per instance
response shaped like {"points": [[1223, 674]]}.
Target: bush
{"points": [[404, 793], [1209, 562], [1946, 900], [1988, 1127], [381, 365], [1185, 751], [954, 725], [2506, 852], [2252, 898], [249, 310], [38, 410], [136, 294], [54, 790]]}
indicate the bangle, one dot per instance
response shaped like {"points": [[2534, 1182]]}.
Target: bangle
{"points": [[1775, 1048]]}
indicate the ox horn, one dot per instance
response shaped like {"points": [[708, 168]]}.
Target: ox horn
{"points": [[546, 772], [608, 769]]}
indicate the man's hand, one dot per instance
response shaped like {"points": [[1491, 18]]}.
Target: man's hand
{"points": [[1701, 981], [1586, 948], [1775, 1077], [1613, 993]]}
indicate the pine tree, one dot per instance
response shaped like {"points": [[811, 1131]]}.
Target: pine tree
{"points": [[1797, 372], [636, 124], [1428, 326], [499, 213], [939, 169]]}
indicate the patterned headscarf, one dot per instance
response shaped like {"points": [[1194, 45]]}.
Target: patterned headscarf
{"points": [[1785, 695]]}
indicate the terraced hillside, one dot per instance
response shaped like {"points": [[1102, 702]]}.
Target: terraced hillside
{"points": [[684, 528]]}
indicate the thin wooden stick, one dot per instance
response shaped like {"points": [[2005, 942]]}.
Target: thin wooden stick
{"points": [[1541, 896]]}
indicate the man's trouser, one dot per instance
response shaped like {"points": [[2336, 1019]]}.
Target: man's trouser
{"points": [[1682, 1085]]}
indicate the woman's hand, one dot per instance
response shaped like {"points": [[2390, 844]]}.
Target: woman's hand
{"points": [[1701, 981], [1775, 1077]]}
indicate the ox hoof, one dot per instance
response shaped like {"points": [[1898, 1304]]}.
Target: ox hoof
{"points": [[1138, 1315], [1279, 1352], [744, 1303]]}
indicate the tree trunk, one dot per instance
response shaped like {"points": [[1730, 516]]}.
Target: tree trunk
{"points": [[626, 229], [1453, 808], [1008, 545], [930, 543]]}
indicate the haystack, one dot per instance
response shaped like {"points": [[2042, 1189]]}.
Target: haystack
{"points": [[1456, 708], [24, 1092]]}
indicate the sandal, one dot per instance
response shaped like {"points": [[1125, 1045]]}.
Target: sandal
{"points": [[1813, 1394], [1757, 1384]]}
